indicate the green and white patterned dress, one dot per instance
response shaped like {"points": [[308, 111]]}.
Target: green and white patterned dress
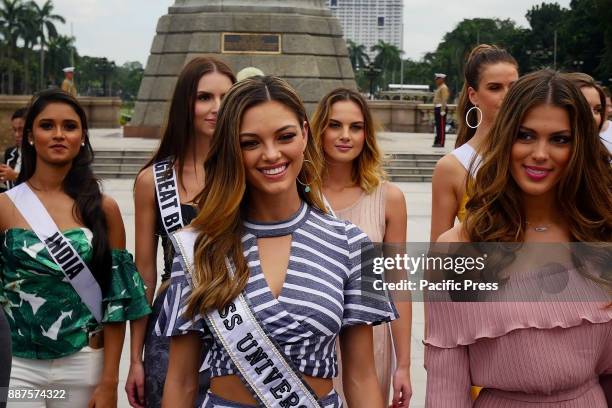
{"points": [[47, 317]]}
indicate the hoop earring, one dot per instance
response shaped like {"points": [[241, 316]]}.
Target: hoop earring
{"points": [[467, 122], [306, 186]]}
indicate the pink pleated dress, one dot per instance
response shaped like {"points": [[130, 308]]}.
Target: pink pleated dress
{"points": [[536, 354], [368, 213]]}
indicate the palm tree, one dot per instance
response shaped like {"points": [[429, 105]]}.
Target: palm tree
{"points": [[46, 29], [357, 54], [9, 23], [388, 57], [28, 31], [59, 53]]}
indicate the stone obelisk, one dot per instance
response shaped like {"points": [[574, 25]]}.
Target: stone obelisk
{"points": [[298, 40]]}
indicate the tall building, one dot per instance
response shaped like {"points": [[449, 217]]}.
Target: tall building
{"points": [[367, 21]]}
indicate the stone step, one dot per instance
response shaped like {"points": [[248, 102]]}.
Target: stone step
{"points": [[115, 174], [125, 164], [121, 159], [410, 163], [414, 156], [410, 178], [117, 167], [145, 154], [428, 171]]}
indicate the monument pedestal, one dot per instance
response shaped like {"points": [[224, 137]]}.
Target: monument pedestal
{"points": [[298, 40]]}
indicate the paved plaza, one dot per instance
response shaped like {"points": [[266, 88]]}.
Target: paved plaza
{"points": [[418, 199]]}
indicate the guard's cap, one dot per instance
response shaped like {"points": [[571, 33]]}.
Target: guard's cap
{"points": [[68, 69], [439, 75], [248, 72]]}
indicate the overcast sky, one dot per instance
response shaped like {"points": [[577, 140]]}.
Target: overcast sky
{"points": [[123, 30]]}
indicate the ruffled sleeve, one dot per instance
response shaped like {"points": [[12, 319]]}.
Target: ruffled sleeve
{"points": [[172, 320], [125, 298], [451, 324], [362, 306]]}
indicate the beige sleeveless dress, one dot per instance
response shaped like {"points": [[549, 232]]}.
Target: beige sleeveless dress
{"points": [[368, 213]]}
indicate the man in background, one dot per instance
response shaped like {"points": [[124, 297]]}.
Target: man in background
{"points": [[440, 101], [12, 156], [68, 83]]}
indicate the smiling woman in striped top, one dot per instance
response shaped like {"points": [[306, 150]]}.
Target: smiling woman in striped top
{"points": [[263, 242]]}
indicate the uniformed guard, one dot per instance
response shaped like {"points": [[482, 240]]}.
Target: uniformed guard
{"points": [[440, 109], [68, 83]]}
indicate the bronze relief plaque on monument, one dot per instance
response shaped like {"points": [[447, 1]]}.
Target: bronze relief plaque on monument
{"points": [[252, 43]]}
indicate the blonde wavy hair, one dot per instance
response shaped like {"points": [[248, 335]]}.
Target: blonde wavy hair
{"points": [[222, 201], [368, 170]]}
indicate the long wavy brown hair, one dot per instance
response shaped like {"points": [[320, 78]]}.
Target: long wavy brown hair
{"points": [[368, 170], [222, 201], [495, 211], [480, 56]]}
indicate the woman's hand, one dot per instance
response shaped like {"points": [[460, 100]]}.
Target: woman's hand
{"points": [[402, 389], [134, 386], [104, 396]]}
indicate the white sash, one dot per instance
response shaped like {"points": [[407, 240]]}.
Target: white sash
{"points": [[58, 246], [263, 367], [168, 199]]}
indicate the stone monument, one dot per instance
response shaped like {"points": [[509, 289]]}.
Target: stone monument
{"points": [[298, 40]]}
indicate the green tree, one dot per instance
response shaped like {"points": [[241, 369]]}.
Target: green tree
{"points": [[128, 78], [357, 54], [10, 12], [45, 21], [584, 37], [545, 20], [59, 55], [28, 31], [452, 52], [388, 59]]}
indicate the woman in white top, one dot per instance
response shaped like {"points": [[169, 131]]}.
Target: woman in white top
{"points": [[489, 73]]}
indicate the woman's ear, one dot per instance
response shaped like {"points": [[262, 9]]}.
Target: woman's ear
{"points": [[472, 96]]}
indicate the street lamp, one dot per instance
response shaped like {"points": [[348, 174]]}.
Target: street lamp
{"points": [[371, 73]]}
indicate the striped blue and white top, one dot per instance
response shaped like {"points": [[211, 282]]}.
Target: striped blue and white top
{"points": [[321, 294]]}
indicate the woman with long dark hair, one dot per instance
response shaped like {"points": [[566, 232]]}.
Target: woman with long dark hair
{"points": [[545, 178], [265, 274], [165, 192], [489, 72], [69, 284], [355, 186]]}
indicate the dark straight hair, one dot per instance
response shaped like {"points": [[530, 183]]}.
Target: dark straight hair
{"points": [[19, 113], [178, 133], [80, 183]]}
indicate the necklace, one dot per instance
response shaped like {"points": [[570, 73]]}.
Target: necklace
{"points": [[539, 228]]}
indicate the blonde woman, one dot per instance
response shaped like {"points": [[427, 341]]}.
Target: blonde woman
{"points": [[355, 188], [264, 262]]}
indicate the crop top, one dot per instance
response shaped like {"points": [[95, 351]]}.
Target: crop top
{"points": [[321, 294]]}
